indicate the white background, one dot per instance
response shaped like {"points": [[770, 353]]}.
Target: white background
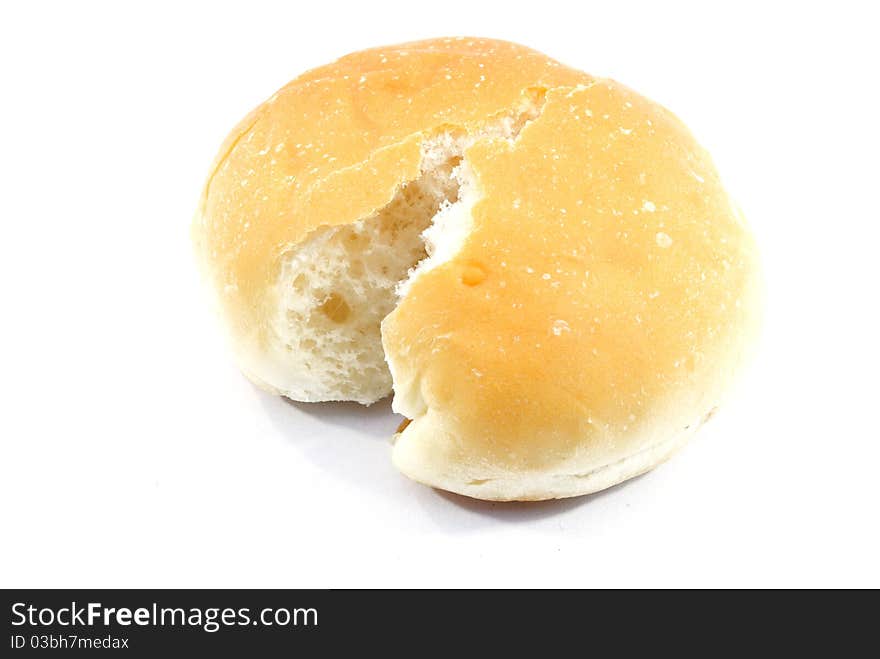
{"points": [[134, 454]]}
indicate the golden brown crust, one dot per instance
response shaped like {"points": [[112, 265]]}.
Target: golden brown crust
{"points": [[619, 286], [334, 144]]}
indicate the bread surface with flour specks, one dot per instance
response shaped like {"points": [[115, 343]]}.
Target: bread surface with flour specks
{"points": [[543, 266]]}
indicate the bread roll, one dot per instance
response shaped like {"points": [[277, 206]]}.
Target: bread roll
{"points": [[541, 265]]}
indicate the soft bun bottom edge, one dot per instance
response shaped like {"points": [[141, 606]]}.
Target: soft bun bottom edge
{"points": [[532, 486]]}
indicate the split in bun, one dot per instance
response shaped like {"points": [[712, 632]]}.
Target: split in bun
{"points": [[542, 266]]}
